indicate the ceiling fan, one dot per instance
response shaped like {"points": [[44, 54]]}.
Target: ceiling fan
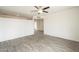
{"points": [[40, 9]]}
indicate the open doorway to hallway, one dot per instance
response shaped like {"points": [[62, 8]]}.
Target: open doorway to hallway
{"points": [[39, 25]]}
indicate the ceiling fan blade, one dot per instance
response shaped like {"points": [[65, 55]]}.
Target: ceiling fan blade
{"points": [[45, 11], [46, 8], [36, 7]]}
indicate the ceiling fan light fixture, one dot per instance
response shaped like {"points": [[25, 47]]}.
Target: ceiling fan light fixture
{"points": [[40, 11]]}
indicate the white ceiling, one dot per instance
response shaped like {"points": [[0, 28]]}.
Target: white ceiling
{"points": [[18, 9], [27, 10]]}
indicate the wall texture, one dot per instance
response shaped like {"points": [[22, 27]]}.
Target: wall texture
{"points": [[64, 24], [15, 28]]}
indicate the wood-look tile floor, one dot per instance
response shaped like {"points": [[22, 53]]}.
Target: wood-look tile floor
{"points": [[39, 43]]}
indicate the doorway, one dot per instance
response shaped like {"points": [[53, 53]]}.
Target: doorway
{"points": [[39, 25]]}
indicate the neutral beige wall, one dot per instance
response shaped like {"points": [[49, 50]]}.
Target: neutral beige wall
{"points": [[64, 24], [40, 25]]}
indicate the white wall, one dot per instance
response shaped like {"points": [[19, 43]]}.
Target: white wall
{"points": [[15, 28], [63, 24]]}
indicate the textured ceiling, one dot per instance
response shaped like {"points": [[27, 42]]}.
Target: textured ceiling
{"points": [[27, 10]]}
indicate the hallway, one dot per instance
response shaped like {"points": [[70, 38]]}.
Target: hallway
{"points": [[39, 43]]}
